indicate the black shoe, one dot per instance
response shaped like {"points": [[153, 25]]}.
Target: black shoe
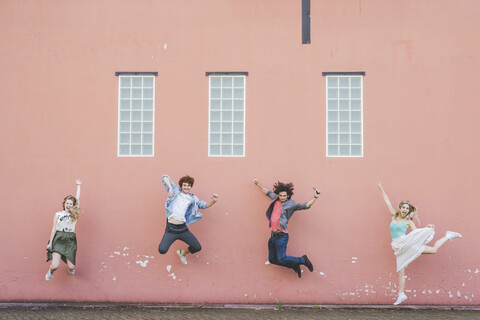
{"points": [[298, 270], [308, 263]]}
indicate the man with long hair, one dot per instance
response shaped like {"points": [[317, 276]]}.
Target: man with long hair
{"points": [[278, 214]]}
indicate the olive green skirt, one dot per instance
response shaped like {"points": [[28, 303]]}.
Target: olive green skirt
{"points": [[64, 243]]}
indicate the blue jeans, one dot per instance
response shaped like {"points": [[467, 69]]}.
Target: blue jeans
{"points": [[277, 252]]}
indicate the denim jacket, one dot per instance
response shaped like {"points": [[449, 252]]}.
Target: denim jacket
{"points": [[288, 208], [191, 215]]}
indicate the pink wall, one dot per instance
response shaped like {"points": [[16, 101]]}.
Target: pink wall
{"points": [[59, 122]]}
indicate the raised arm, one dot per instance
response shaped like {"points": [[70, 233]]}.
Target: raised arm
{"points": [[387, 200], [212, 201], [79, 186], [315, 196], [166, 180], [264, 190]]}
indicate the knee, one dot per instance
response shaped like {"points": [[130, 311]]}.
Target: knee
{"points": [[54, 267], [195, 248], [281, 260], [162, 250]]}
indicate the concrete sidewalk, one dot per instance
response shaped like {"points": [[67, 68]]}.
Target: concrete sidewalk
{"points": [[56, 311]]}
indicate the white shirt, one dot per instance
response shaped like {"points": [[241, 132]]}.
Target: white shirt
{"points": [[64, 222], [180, 205]]}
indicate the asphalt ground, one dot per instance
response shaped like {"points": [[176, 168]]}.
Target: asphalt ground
{"points": [[15, 312]]}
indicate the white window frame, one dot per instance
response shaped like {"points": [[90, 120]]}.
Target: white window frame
{"points": [[142, 112], [233, 121], [344, 122]]}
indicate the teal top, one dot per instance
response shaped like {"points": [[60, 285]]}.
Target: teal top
{"points": [[398, 229]]}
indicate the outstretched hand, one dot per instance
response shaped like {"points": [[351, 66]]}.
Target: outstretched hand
{"points": [[379, 185], [215, 197], [79, 183], [317, 192], [255, 181]]}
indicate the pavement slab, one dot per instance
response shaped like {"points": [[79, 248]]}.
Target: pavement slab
{"points": [[12, 312]]}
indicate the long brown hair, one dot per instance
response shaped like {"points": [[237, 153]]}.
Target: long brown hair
{"points": [[75, 210], [411, 210]]}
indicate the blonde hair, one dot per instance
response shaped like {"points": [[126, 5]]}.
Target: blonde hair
{"points": [[411, 210], [75, 210]]}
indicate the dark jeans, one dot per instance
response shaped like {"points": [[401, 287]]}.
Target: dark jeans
{"points": [[277, 252], [178, 232]]}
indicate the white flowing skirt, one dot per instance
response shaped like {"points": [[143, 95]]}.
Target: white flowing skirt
{"points": [[410, 246]]}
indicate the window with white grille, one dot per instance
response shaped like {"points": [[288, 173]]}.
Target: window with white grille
{"points": [[226, 134], [136, 114], [344, 116]]}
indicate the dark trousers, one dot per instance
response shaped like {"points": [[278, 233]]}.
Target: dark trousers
{"points": [[277, 252], [175, 232]]}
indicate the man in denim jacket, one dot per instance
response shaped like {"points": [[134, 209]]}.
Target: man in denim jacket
{"points": [[181, 210], [278, 214]]}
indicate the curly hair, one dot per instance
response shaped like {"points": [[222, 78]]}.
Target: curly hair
{"points": [[186, 179], [75, 210], [280, 186]]}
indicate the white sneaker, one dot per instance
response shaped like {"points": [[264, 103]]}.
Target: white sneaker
{"points": [[452, 235], [48, 276], [182, 257], [72, 272], [401, 297]]}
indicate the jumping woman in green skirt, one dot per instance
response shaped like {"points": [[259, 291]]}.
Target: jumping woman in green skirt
{"points": [[63, 242]]}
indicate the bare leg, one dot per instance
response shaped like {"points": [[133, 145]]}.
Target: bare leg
{"points": [[401, 287], [401, 280], [436, 246], [71, 267], [55, 262]]}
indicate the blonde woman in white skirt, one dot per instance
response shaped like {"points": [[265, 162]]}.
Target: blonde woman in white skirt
{"points": [[409, 247]]}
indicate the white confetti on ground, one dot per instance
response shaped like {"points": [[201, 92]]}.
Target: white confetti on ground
{"points": [[169, 267]]}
